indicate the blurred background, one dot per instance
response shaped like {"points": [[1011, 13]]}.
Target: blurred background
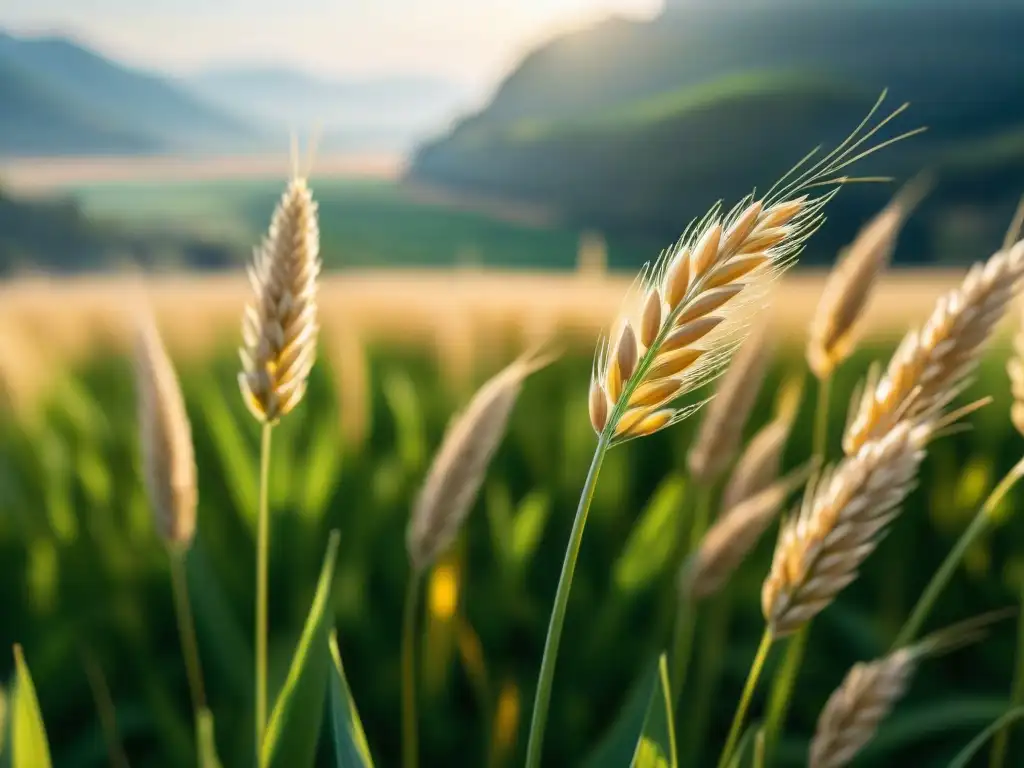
{"points": [[488, 174]]}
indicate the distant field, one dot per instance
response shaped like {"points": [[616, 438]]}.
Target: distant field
{"points": [[364, 222]]}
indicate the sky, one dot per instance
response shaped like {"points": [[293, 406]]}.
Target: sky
{"points": [[470, 41]]}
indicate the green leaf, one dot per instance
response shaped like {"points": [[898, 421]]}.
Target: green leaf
{"points": [[3, 718], [750, 738], [528, 526], [656, 747], [404, 403], [651, 543], [322, 461], [28, 734], [350, 747], [619, 745], [294, 727], [206, 743]]}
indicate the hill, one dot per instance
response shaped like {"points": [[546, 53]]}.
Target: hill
{"points": [[368, 113], [70, 99], [37, 119], [638, 126]]}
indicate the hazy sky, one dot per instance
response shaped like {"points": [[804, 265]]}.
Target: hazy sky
{"points": [[473, 41]]}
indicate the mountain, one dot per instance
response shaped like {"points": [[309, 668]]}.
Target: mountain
{"points": [[37, 119], [375, 112], [60, 97], [638, 126]]}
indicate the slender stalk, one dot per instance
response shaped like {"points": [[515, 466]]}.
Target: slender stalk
{"points": [[785, 679], [1002, 740], [104, 708], [963, 760], [748, 692], [714, 640], [187, 632], [262, 559], [760, 749], [542, 700], [685, 610], [782, 688], [410, 739], [942, 576], [682, 646], [820, 445]]}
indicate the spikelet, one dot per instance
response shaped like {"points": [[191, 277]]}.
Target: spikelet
{"points": [[843, 517], [721, 430], [279, 328], [168, 460], [1015, 366], [759, 464], [702, 293], [934, 362], [454, 479], [734, 535], [869, 691], [833, 332]]}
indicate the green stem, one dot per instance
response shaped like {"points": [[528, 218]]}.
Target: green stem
{"points": [[262, 560], [685, 610], [820, 445], [682, 646], [785, 678], [963, 759], [978, 525], [748, 692], [782, 688], [714, 640], [542, 699], [104, 708], [187, 632], [410, 740], [1002, 740]]}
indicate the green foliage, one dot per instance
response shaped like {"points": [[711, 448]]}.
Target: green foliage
{"points": [[81, 568], [294, 727], [350, 747], [29, 748]]}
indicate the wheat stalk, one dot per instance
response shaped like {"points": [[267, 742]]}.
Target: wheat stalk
{"points": [[458, 469], [279, 328], [931, 363], [758, 465], [685, 315], [843, 517], [869, 691], [833, 330], [169, 465], [721, 429], [737, 530]]}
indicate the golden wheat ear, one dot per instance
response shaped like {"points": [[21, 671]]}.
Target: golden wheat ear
{"points": [[938, 359], [168, 458], [835, 326], [689, 311], [844, 516], [869, 691], [735, 534], [458, 469], [280, 324]]}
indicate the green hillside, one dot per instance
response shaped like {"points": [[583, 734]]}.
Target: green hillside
{"points": [[60, 98], [37, 119], [637, 127]]}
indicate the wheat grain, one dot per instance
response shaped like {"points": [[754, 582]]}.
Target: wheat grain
{"points": [[932, 363], [843, 517], [758, 465], [279, 328], [834, 328], [721, 429], [734, 535], [168, 460], [703, 291], [458, 469], [869, 691]]}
